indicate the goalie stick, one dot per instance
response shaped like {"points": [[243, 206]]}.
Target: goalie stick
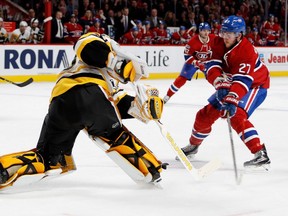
{"points": [[198, 174], [25, 83]]}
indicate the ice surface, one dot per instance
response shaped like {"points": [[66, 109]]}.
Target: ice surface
{"points": [[99, 187]]}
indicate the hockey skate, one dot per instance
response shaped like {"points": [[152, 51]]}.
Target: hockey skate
{"points": [[189, 151], [261, 160]]}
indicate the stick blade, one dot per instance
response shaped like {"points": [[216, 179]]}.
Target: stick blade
{"points": [[208, 168], [25, 83]]}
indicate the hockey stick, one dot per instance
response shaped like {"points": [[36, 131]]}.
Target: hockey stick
{"points": [[198, 174], [25, 83], [237, 177]]}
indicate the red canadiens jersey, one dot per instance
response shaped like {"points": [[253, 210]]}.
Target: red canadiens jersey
{"points": [[98, 30], [178, 39], [161, 36], [147, 37], [199, 50], [72, 31], [129, 38], [242, 62], [255, 39], [270, 31]]}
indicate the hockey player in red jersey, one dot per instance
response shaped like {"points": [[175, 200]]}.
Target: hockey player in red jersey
{"points": [[241, 81], [87, 97], [131, 37], [97, 27], [161, 34], [148, 35], [196, 52], [180, 37], [72, 30]]}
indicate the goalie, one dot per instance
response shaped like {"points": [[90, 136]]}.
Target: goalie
{"points": [[86, 97]]}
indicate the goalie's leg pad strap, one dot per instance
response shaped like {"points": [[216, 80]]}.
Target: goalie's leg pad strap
{"points": [[21, 163], [139, 156]]}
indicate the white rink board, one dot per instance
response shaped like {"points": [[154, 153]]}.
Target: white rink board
{"points": [[48, 59]]}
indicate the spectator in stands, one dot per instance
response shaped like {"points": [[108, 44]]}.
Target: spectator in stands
{"points": [[92, 8], [144, 12], [57, 28], [216, 26], [110, 19], [3, 33], [161, 10], [148, 34], [20, 35], [180, 37], [270, 30], [97, 27], [83, 7], [131, 37], [161, 34], [31, 15], [134, 10], [76, 13], [170, 19], [154, 19], [124, 23], [191, 21], [100, 15], [86, 21], [183, 20], [255, 38], [65, 14], [72, 30], [36, 35]]}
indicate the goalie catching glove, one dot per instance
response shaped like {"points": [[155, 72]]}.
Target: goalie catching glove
{"points": [[147, 104]]}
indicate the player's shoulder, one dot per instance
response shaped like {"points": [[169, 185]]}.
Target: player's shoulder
{"points": [[246, 45]]}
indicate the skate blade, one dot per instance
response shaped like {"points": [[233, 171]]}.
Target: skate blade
{"points": [[258, 169], [189, 157]]}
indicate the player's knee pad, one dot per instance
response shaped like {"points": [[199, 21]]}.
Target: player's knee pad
{"points": [[21, 163], [134, 151]]}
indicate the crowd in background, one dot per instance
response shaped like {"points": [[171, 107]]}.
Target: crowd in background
{"points": [[150, 22]]}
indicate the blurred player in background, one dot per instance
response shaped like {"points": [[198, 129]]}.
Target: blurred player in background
{"points": [[180, 37], [3, 33], [196, 52], [36, 35], [20, 35]]}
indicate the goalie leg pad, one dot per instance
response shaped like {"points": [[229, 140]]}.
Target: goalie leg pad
{"points": [[136, 153], [17, 164]]}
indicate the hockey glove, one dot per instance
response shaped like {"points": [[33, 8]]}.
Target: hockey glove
{"points": [[198, 64], [229, 106], [222, 87], [127, 71], [147, 105]]}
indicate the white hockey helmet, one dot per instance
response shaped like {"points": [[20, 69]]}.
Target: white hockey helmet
{"points": [[23, 23]]}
